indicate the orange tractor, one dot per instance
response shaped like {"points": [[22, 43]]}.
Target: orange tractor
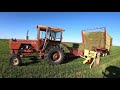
{"points": [[47, 47]]}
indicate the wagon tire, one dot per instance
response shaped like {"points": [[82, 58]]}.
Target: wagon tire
{"points": [[15, 60]]}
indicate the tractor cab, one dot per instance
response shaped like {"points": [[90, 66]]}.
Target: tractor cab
{"points": [[47, 35]]}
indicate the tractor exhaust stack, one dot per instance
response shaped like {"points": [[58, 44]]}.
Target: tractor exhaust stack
{"points": [[27, 37]]}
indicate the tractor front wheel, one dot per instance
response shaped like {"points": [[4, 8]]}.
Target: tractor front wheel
{"points": [[15, 60], [54, 56]]}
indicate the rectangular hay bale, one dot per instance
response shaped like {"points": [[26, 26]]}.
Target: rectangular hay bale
{"points": [[94, 39]]}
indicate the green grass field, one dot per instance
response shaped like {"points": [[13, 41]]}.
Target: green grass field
{"points": [[71, 68]]}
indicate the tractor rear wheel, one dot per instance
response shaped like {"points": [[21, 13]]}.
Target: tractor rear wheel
{"points": [[15, 60], [55, 56]]}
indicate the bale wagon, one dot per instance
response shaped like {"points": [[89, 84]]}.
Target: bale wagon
{"points": [[97, 39], [95, 43]]}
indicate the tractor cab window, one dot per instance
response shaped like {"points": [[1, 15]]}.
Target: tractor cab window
{"points": [[55, 35], [43, 35]]}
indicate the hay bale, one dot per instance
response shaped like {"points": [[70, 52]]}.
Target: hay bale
{"points": [[93, 39]]}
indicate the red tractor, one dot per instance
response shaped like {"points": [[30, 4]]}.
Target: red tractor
{"points": [[47, 47]]}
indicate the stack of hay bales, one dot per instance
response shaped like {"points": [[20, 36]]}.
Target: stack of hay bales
{"points": [[94, 39]]}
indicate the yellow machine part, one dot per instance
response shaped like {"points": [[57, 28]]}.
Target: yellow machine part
{"points": [[86, 52], [91, 57], [95, 61], [86, 60]]}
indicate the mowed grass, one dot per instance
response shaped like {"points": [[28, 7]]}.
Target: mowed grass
{"points": [[71, 68]]}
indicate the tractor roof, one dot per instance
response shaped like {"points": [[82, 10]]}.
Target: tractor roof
{"points": [[43, 28]]}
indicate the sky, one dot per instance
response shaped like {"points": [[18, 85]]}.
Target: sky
{"points": [[16, 24]]}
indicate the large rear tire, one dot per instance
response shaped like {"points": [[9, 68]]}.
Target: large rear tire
{"points": [[55, 56], [15, 60]]}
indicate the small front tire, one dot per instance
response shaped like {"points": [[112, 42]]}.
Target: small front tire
{"points": [[15, 60]]}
